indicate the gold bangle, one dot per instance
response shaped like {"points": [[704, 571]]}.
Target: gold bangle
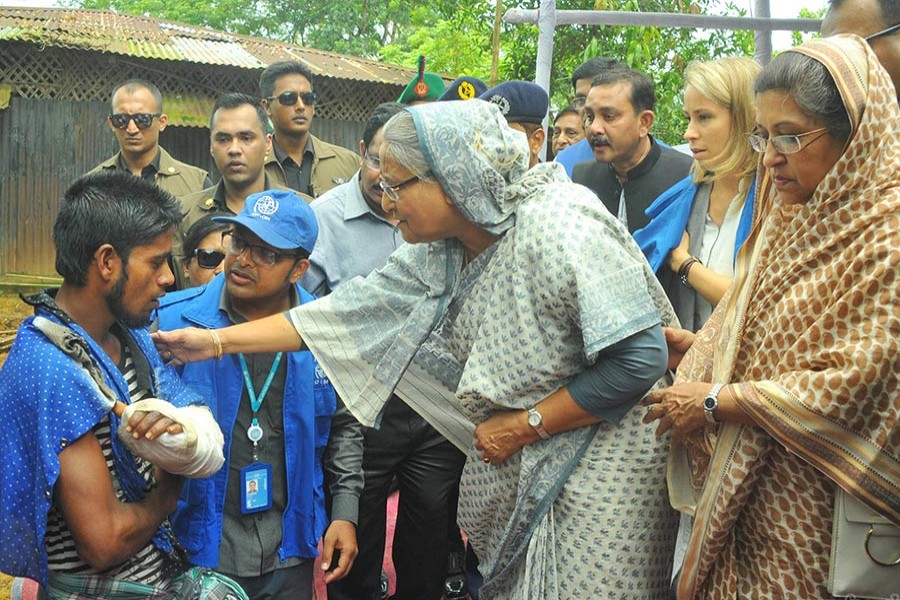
{"points": [[216, 342]]}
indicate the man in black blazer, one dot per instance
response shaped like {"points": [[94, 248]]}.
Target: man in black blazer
{"points": [[630, 168]]}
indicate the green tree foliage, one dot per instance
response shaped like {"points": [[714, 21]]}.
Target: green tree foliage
{"points": [[455, 36], [798, 37]]}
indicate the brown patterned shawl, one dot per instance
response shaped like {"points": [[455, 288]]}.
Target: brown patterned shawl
{"points": [[811, 330]]}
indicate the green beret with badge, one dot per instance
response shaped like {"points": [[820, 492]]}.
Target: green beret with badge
{"points": [[425, 87]]}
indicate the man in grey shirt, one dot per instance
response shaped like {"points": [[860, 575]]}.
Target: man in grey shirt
{"points": [[355, 235], [355, 238]]}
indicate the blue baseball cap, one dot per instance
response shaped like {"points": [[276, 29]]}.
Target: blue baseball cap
{"points": [[279, 218]]}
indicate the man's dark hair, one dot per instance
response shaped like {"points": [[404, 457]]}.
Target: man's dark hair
{"points": [[288, 67], [235, 100], [381, 115], [569, 110], [593, 67], [108, 207], [133, 85], [643, 96], [890, 11]]}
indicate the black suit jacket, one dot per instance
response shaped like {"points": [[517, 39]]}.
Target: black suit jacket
{"points": [[661, 169]]}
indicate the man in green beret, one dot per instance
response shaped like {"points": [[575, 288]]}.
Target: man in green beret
{"points": [[424, 87]]}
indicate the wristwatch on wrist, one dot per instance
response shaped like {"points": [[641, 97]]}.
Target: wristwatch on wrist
{"points": [[711, 402], [536, 421]]}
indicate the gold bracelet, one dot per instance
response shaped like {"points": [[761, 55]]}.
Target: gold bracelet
{"points": [[216, 342]]}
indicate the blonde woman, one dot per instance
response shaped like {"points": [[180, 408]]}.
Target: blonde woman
{"points": [[698, 225]]}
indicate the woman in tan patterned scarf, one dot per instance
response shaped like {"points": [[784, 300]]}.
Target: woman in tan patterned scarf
{"points": [[805, 342]]}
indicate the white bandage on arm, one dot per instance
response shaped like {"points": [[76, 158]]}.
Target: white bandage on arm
{"points": [[195, 453]]}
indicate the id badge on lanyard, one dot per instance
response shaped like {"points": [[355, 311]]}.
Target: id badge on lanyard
{"points": [[256, 488], [256, 478]]}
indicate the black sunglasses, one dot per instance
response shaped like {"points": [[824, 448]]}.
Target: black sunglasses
{"points": [[290, 98], [208, 259], [142, 120]]}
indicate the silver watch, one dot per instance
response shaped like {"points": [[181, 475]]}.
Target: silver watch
{"points": [[536, 421], [711, 402]]}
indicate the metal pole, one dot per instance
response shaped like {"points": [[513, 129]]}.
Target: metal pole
{"points": [[546, 28], [644, 19], [762, 39]]}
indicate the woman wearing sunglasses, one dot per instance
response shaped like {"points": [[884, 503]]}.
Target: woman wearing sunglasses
{"points": [[203, 251]]}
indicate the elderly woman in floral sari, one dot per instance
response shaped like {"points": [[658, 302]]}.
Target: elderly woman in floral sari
{"points": [[789, 394], [521, 307]]}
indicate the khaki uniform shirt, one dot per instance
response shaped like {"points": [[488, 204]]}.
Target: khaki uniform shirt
{"points": [[173, 176], [331, 167]]}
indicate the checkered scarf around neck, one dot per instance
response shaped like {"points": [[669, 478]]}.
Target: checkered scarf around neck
{"points": [[810, 328], [481, 163]]}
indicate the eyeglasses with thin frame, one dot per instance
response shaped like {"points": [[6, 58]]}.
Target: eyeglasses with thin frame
{"points": [[261, 255], [883, 32], [393, 190], [578, 102], [141, 120], [208, 259], [372, 162], [785, 144], [289, 98]]}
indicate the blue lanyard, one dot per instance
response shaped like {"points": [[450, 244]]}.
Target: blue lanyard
{"points": [[256, 401]]}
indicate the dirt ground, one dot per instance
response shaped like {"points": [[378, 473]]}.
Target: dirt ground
{"points": [[12, 311]]}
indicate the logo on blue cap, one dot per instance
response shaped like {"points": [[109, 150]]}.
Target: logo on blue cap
{"points": [[265, 207], [279, 218]]}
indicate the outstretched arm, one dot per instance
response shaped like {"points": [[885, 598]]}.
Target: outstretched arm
{"points": [[272, 334]]}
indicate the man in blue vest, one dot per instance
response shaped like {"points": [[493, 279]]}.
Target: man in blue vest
{"points": [[261, 517]]}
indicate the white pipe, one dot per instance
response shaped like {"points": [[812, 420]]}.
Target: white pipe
{"points": [[649, 19]]}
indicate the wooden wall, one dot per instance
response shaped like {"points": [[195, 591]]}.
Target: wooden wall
{"points": [[45, 144]]}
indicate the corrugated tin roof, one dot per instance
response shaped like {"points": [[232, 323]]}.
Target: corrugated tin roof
{"points": [[145, 37]]}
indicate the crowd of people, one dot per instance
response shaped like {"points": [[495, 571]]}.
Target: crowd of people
{"points": [[632, 372]]}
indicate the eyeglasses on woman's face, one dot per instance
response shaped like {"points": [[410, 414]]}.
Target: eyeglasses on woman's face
{"points": [[289, 98], [208, 259], [141, 120], [261, 255], [785, 144], [393, 190]]}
